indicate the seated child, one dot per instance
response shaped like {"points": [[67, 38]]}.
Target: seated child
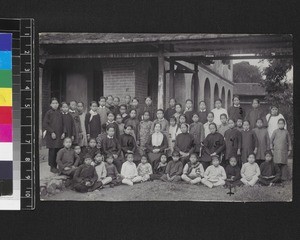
{"points": [[193, 171], [79, 153], [159, 168], [91, 149], [129, 171], [270, 172], [101, 169], [173, 170], [112, 171], [233, 173], [66, 158], [85, 177], [214, 174], [250, 171], [144, 169]]}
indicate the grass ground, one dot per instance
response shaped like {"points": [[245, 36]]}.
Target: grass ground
{"points": [[161, 191]]}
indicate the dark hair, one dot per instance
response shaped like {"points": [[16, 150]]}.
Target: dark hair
{"points": [[178, 104], [185, 125], [109, 126], [235, 96], [174, 118], [123, 105], [146, 112], [135, 98], [81, 103], [159, 110], [223, 114], [127, 154], [230, 119], [211, 113], [172, 99], [246, 121], [214, 125], [158, 124], [62, 103], [195, 114], [144, 155], [194, 154], [53, 99], [269, 152], [259, 119], [219, 99], [110, 113], [256, 99], [163, 154], [202, 101], [252, 153], [148, 97], [110, 96], [102, 97], [128, 126], [189, 100], [117, 98], [133, 110], [119, 115], [182, 115], [281, 120], [109, 155], [92, 139], [67, 139], [92, 102], [73, 101]]}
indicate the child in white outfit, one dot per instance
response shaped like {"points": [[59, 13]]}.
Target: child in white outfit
{"points": [[215, 174], [250, 171], [144, 169], [129, 171]]}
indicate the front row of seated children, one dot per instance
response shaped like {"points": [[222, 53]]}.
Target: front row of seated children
{"points": [[93, 174]]}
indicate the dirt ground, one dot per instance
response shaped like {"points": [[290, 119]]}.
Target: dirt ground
{"points": [[161, 191]]}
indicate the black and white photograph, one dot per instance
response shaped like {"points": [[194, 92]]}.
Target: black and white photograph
{"points": [[165, 117]]}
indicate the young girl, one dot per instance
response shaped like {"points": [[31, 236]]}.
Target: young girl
{"points": [[189, 111], [171, 110], [144, 132], [53, 124], [111, 121], [233, 142], [233, 173], [182, 119], [202, 112], [197, 130], [81, 114], [156, 145], [101, 170], [159, 168], [149, 108], [74, 113], [215, 174], [67, 160], [68, 121], [79, 153], [134, 122], [272, 120], [102, 110], [129, 171], [92, 122], [135, 105], [162, 121], [128, 144], [109, 103], [263, 141], [213, 144], [210, 119], [269, 171], [173, 170], [236, 112], [111, 145], [281, 146], [100, 138], [119, 121], [193, 171], [124, 112], [239, 124], [178, 111], [255, 113], [144, 169], [249, 141], [184, 143], [218, 110], [224, 125], [91, 150], [112, 171], [173, 132], [250, 171]]}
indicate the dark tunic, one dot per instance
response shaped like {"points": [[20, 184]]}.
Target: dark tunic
{"points": [[125, 116], [111, 171], [152, 110], [77, 126], [255, 114], [233, 175], [197, 130], [66, 158], [174, 168], [116, 110], [93, 126], [53, 123], [249, 143], [263, 144], [139, 111], [189, 116], [116, 127], [184, 143], [69, 125], [233, 141], [85, 173], [236, 113], [268, 169], [155, 156], [203, 116], [134, 123], [127, 143], [169, 113], [88, 151], [212, 143], [158, 170], [111, 146]]}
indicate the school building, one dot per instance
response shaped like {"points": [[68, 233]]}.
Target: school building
{"points": [[85, 66]]}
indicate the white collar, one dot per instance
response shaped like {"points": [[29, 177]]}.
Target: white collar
{"points": [[110, 137], [203, 110]]}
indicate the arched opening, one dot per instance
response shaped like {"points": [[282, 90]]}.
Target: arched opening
{"points": [[216, 92], [229, 98], [207, 93], [195, 91], [223, 97]]}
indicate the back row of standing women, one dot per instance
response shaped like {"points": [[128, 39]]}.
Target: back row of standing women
{"points": [[146, 130]]}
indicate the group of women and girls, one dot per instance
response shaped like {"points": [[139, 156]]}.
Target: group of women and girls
{"points": [[115, 143]]}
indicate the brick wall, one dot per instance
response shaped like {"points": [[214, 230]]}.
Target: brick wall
{"points": [[141, 79]]}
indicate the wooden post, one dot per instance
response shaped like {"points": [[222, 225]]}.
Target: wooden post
{"points": [[161, 73], [171, 79], [41, 72]]}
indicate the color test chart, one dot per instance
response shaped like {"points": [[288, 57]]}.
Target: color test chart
{"points": [[16, 114]]}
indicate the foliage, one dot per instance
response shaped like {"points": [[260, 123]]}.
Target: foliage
{"points": [[244, 72]]}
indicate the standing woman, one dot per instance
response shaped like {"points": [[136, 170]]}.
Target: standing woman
{"points": [[81, 113], [213, 144], [156, 144], [92, 121], [53, 124], [272, 119], [236, 112]]}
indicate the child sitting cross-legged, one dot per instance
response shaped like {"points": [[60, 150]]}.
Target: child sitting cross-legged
{"points": [[250, 171], [174, 169], [129, 171], [101, 169], [233, 173], [270, 172], [159, 168], [193, 171], [85, 177], [215, 174], [66, 159], [144, 169], [112, 171]]}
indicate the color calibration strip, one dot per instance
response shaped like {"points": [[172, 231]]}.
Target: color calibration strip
{"points": [[6, 110]]}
